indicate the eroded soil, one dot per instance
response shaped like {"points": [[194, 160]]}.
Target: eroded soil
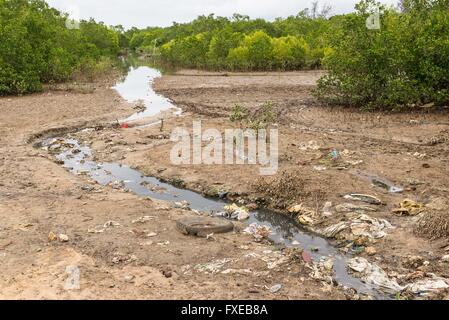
{"points": [[410, 150], [124, 246]]}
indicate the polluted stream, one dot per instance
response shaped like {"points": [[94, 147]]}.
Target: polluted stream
{"points": [[78, 159]]}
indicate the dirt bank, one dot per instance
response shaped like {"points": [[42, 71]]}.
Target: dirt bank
{"points": [[408, 151], [124, 247]]}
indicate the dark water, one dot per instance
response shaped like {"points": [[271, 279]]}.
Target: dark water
{"points": [[78, 159]]}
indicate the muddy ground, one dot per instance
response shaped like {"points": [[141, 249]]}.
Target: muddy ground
{"points": [[407, 150], [150, 259], [126, 247]]}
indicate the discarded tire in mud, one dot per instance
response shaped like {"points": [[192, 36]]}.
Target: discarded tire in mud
{"points": [[203, 226]]}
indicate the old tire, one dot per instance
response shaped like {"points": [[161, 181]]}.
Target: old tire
{"points": [[203, 226]]}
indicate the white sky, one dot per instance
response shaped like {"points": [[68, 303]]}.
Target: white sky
{"points": [[143, 13]]}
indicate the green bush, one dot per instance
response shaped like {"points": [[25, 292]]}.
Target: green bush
{"points": [[404, 64], [36, 47]]}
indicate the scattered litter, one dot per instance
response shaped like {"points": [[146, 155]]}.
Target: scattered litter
{"points": [[319, 168], [212, 267], [427, 286], [323, 271], [235, 212], [272, 258], [327, 209], [305, 216], [361, 225], [52, 236], [334, 155], [386, 185], [181, 205], [109, 224], [124, 126], [306, 256], [166, 243], [349, 207], [152, 234], [63, 237], [259, 232], [419, 155], [374, 275], [363, 198], [408, 208], [117, 185], [276, 288]]}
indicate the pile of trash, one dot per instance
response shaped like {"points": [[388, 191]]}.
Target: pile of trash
{"points": [[323, 271], [304, 215], [234, 212], [358, 225], [259, 232], [372, 274]]}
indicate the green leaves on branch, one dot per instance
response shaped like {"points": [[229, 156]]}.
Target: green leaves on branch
{"points": [[36, 47], [404, 64]]}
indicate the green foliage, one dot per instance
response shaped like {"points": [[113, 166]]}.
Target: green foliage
{"points": [[36, 47], [241, 43], [405, 63]]}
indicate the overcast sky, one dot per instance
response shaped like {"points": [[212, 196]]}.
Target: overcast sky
{"points": [[143, 13]]}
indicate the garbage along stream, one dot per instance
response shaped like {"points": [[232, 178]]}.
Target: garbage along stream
{"points": [[78, 159]]}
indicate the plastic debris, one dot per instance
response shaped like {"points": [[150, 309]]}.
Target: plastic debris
{"points": [[63, 237], [327, 209], [52, 236], [335, 155], [181, 205], [276, 288], [304, 215], [408, 208], [427, 286], [361, 225], [306, 256], [259, 232], [235, 212], [319, 168], [349, 207], [213, 266], [363, 198], [387, 186], [372, 274]]}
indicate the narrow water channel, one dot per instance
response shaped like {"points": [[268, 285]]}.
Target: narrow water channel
{"points": [[137, 86]]}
